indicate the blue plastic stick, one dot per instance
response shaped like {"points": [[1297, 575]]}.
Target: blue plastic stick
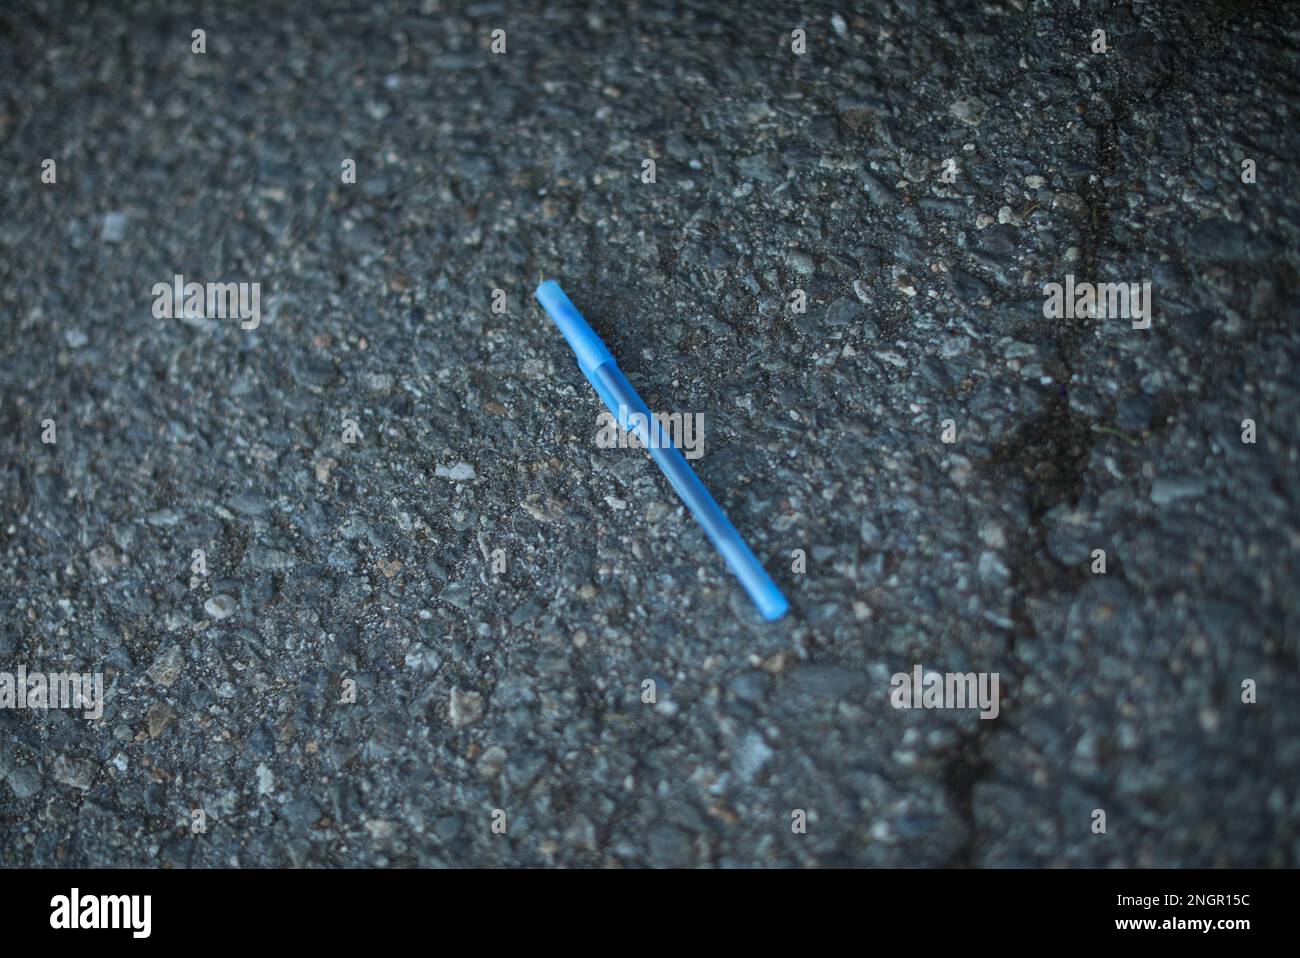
{"points": [[597, 364]]}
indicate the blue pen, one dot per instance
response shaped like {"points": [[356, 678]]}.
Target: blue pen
{"points": [[597, 364]]}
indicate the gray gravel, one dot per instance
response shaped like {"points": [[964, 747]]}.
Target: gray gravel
{"points": [[350, 679]]}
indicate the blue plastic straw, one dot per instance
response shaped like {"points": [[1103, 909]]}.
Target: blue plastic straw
{"points": [[597, 364]]}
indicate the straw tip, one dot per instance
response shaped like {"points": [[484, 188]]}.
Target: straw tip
{"points": [[773, 607]]}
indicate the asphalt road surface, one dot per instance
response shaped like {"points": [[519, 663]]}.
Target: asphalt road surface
{"points": [[428, 602]]}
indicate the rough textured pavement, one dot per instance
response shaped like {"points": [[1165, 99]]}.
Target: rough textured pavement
{"points": [[374, 562]]}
